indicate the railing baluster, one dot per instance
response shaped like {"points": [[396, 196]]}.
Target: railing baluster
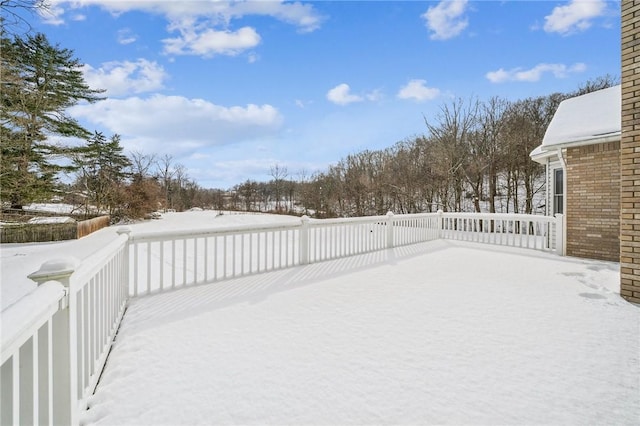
{"points": [[241, 253], [288, 262], [173, 263], [82, 335], [272, 250], [251, 266], [280, 249], [35, 390], [15, 376], [184, 262], [135, 269], [49, 371], [195, 260], [265, 251], [148, 283], [90, 326], [206, 259], [215, 257]]}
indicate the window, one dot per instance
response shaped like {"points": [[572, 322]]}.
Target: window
{"points": [[558, 192]]}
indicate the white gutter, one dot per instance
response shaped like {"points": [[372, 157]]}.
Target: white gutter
{"points": [[547, 151], [610, 137]]}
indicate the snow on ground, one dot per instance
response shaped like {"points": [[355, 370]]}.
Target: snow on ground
{"points": [[441, 332], [17, 261]]}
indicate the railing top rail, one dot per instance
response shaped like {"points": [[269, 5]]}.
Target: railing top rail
{"points": [[89, 266], [191, 233], [22, 319], [416, 215], [346, 220], [501, 216]]}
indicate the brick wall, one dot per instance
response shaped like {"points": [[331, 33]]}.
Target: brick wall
{"points": [[630, 154], [593, 201]]}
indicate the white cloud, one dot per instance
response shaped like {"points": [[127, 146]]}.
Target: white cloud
{"points": [[418, 91], [208, 42], [574, 17], [253, 58], [126, 78], [341, 95], [126, 36], [446, 20], [374, 95], [204, 27], [304, 16], [534, 74], [176, 124], [52, 15]]}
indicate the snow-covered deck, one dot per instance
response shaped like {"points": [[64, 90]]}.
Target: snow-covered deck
{"points": [[437, 332]]}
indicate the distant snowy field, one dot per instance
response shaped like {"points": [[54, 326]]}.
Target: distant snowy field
{"points": [[442, 332]]}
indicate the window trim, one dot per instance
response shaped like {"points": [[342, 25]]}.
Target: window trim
{"points": [[558, 191]]}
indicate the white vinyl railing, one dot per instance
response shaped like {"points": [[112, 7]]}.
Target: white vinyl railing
{"points": [[174, 259], [56, 340], [52, 358], [516, 230], [337, 238], [29, 357]]}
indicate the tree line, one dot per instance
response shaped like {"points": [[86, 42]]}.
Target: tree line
{"points": [[474, 155]]}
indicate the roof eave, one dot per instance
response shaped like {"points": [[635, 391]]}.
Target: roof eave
{"points": [[550, 150]]}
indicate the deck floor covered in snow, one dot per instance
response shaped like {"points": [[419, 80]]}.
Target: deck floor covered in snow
{"points": [[442, 332]]}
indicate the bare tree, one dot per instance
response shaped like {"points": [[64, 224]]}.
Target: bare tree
{"points": [[16, 14], [141, 164], [598, 83], [493, 123], [526, 121], [166, 171], [279, 174], [450, 133], [249, 193]]}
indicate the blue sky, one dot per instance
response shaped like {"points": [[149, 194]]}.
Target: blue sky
{"points": [[230, 89]]}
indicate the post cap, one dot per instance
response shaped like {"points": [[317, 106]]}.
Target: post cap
{"points": [[59, 269], [123, 230]]}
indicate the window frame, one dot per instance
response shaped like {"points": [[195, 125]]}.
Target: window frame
{"points": [[558, 191]]}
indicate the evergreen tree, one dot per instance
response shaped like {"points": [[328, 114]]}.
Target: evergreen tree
{"points": [[102, 172], [40, 82]]}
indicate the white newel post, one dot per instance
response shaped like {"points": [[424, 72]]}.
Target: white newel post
{"points": [[440, 223], [304, 240], [560, 234], [389, 229], [126, 271], [64, 342]]}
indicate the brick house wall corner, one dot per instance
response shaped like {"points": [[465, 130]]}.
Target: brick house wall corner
{"points": [[630, 153]]}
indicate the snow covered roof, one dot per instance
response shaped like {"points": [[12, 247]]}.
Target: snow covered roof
{"points": [[51, 220], [584, 118]]}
